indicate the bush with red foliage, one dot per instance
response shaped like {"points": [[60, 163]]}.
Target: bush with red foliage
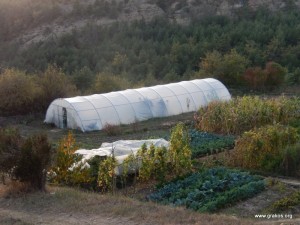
{"points": [[270, 77]]}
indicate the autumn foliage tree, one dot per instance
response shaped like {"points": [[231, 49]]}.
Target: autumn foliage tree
{"points": [[22, 93], [272, 76], [55, 84], [255, 77], [18, 92], [229, 68], [67, 168]]}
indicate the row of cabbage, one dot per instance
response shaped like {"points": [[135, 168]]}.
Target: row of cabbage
{"points": [[203, 143], [210, 190]]}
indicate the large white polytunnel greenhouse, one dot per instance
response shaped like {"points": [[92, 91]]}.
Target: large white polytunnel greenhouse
{"points": [[93, 112]]}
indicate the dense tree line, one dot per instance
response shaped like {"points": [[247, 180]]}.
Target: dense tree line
{"points": [[164, 51], [258, 50]]}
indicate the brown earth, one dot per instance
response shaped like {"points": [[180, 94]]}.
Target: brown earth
{"points": [[71, 206]]}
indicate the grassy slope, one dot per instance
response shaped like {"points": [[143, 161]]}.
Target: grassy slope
{"points": [[70, 206]]}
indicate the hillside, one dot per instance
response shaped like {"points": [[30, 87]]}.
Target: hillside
{"points": [[103, 46], [31, 21]]}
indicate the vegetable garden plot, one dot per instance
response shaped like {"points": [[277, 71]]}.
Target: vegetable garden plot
{"points": [[210, 190], [203, 143]]}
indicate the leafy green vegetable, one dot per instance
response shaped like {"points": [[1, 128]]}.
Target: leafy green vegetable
{"points": [[203, 143], [210, 190]]}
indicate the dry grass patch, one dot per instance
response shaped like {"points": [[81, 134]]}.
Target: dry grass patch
{"points": [[60, 202], [15, 189]]}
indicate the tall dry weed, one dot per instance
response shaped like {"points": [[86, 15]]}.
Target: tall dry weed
{"points": [[245, 113]]}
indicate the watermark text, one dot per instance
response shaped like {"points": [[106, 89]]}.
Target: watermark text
{"points": [[273, 216]]}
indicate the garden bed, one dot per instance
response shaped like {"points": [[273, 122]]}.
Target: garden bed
{"points": [[210, 190]]}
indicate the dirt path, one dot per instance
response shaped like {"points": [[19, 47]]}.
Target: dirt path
{"points": [[292, 182], [19, 217]]}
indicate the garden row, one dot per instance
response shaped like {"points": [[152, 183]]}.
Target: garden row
{"points": [[210, 190], [203, 143]]}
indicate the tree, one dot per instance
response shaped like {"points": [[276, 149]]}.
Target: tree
{"points": [[275, 75], [10, 144], [255, 77], [234, 66], [229, 67], [26, 160], [105, 82], [293, 78], [271, 77], [33, 162], [212, 64], [83, 79], [119, 63], [55, 84], [18, 92]]}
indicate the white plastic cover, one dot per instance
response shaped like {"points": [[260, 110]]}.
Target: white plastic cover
{"points": [[93, 112], [121, 150]]}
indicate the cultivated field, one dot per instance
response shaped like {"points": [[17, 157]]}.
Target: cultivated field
{"points": [[62, 205]]}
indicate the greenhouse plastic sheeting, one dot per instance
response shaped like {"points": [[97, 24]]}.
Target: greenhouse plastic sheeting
{"points": [[93, 112], [121, 150]]}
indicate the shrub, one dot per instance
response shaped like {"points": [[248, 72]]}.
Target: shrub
{"points": [[244, 113], [68, 169], [154, 163], [275, 75], [229, 68], [54, 84], [287, 203], [159, 163], [179, 151], [264, 148], [10, 145], [293, 78], [290, 156], [18, 93], [271, 77], [94, 170], [105, 83], [129, 165], [255, 78], [24, 159], [295, 123], [111, 130], [106, 174], [83, 79], [146, 157], [33, 162]]}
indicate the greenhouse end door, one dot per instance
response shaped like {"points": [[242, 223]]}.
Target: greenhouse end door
{"points": [[64, 118]]}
